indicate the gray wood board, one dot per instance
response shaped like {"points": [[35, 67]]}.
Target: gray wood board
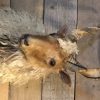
{"points": [[33, 6], [4, 3], [88, 15], [60, 12], [32, 90], [56, 14]]}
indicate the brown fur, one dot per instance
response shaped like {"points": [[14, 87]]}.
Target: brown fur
{"points": [[39, 52]]}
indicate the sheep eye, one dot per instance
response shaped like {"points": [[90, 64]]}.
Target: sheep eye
{"points": [[52, 62]]}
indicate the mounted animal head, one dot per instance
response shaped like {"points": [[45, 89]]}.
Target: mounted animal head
{"points": [[35, 56], [51, 53]]}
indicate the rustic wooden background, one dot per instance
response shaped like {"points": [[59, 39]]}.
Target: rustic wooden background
{"points": [[54, 14]]}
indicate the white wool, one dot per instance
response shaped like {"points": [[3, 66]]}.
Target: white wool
{"points": [[18, 71], [68, 46]]}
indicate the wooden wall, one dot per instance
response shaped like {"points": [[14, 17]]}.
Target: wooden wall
{"points": [[54, 14]]}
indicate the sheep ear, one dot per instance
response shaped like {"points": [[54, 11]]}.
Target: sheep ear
{"points": [[65, 77], [63, 31]]}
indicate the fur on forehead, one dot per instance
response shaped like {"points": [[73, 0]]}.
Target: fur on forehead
{"points": [[68, 47]]}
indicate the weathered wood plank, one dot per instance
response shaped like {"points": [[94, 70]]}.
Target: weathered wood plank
{"points": [[60, 12], [33, 6], [31, 91], [88, 15], [57, 13], [4, 91], [55, 89], [4, 3]]}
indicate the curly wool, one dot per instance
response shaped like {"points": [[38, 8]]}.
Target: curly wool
{"points": [[16, 70], [68, 47]]}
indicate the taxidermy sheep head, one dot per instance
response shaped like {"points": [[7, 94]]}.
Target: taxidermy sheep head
{"points": [[36, 56]]}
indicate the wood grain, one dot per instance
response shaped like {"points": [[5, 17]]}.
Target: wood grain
{"points": [[55, 89], [88, 15], [56, 14], [60, 12], [4, 91], [4, 3], [31, 91], [33, 6]]}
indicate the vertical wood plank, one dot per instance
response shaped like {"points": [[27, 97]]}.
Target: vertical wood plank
{"points": [[33, 6], [60, 12], [4, 3], [55, 89], [88, 15], [57, 13], [4, 91], [31, 91]]}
